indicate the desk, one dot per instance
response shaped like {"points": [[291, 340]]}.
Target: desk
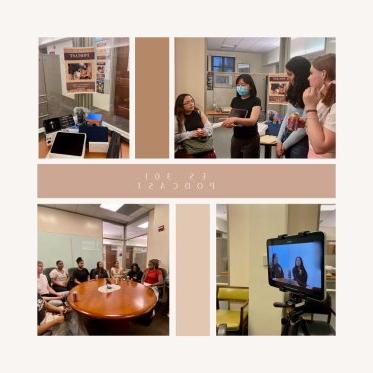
{"points": [[130, 301], [268, 141], [214, 113]]}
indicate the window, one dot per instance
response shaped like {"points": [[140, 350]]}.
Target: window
{"points": [[223, 64]]}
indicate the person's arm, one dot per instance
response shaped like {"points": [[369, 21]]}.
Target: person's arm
{"points": [[207, 126], [52, 291], [252, 120], [144, 276], [184, 135], [74, 278], [294, 138], [42, 328], [321, 138]]}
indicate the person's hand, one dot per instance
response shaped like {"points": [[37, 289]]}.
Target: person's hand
{"points": [[311, 97], [195, 134], [279, 150], [201, 132], [229, 122], [59, 319]]}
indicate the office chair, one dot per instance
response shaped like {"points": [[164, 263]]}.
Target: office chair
{"points": [[234, 321], [317, 327], [47, 271]]}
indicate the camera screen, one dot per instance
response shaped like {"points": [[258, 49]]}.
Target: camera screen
{"points": [[296, 264]]}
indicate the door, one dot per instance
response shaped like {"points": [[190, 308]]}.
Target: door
{"points": [[122, 84]]}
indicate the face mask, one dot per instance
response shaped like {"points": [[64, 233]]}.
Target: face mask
{"points": [[242, 91]]}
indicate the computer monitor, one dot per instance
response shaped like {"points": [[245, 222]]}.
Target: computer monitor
{"points": [[68, 145], [296, 264]]}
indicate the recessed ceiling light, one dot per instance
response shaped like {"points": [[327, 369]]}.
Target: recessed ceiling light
{"points": [[112, 206], [228, 46], [144, 225]]}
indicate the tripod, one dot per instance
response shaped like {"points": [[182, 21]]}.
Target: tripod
{"points": [[293, 321]]}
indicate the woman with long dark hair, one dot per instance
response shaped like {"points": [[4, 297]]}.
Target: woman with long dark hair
{"points": [[243, 119], [320, 106], [98, 272], [292, 141], [193, 131], [299, 272], [276, 269], [135, 274]]}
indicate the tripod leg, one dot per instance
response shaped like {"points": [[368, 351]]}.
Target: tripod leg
{"points": [[304, 327], [285, 326]]}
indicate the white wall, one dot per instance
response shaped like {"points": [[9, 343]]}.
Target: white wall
{"points": [[57, 221], [238, 243], [266, 221], [158, 243]]}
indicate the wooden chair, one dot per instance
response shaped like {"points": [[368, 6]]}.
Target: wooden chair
{"points": [[236, 321]]}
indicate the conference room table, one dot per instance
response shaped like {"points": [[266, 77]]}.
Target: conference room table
{"points": [[107, 310]]}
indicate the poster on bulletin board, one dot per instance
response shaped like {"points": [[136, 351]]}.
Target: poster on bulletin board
{"points": [[277, 87], [80, 70], [103, 54]]}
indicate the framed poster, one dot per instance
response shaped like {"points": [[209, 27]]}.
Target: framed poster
{"points": [[277, 87], [80, 70]]}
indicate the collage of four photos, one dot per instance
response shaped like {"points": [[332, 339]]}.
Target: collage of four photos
{"points": [[104, 268]]}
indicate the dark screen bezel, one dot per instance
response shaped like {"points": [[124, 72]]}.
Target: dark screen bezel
{"points": [[59, 136], [310, 237]]}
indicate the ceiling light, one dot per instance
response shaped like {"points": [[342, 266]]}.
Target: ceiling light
{"points": [[112, 206], [327, 208], [144, 225], [228, 46]]}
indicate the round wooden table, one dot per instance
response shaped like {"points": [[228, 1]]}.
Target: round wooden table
{"points": [[130, 301]]}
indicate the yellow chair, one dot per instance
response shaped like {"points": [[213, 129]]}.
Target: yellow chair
{"points": [[236, 321]]}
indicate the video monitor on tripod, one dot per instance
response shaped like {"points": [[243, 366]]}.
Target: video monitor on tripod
{"points": [[296, 264]]}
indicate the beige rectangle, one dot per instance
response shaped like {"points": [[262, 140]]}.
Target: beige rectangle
{"points": [[192, 254], [186, 180], [152, 98]]}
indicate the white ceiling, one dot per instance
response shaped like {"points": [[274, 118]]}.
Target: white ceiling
{"points": [[95, 211], [255, 45]]}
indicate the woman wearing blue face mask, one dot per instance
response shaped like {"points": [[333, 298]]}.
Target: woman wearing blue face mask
{"points": [[243, 119]]}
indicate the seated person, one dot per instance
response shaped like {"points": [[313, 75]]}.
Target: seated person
{"points": [[135, 274], [59, 277], [80, 274], [48, 293], [98, 272], [116, 271], [152, 275], [299, 272], [49, 316]]}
